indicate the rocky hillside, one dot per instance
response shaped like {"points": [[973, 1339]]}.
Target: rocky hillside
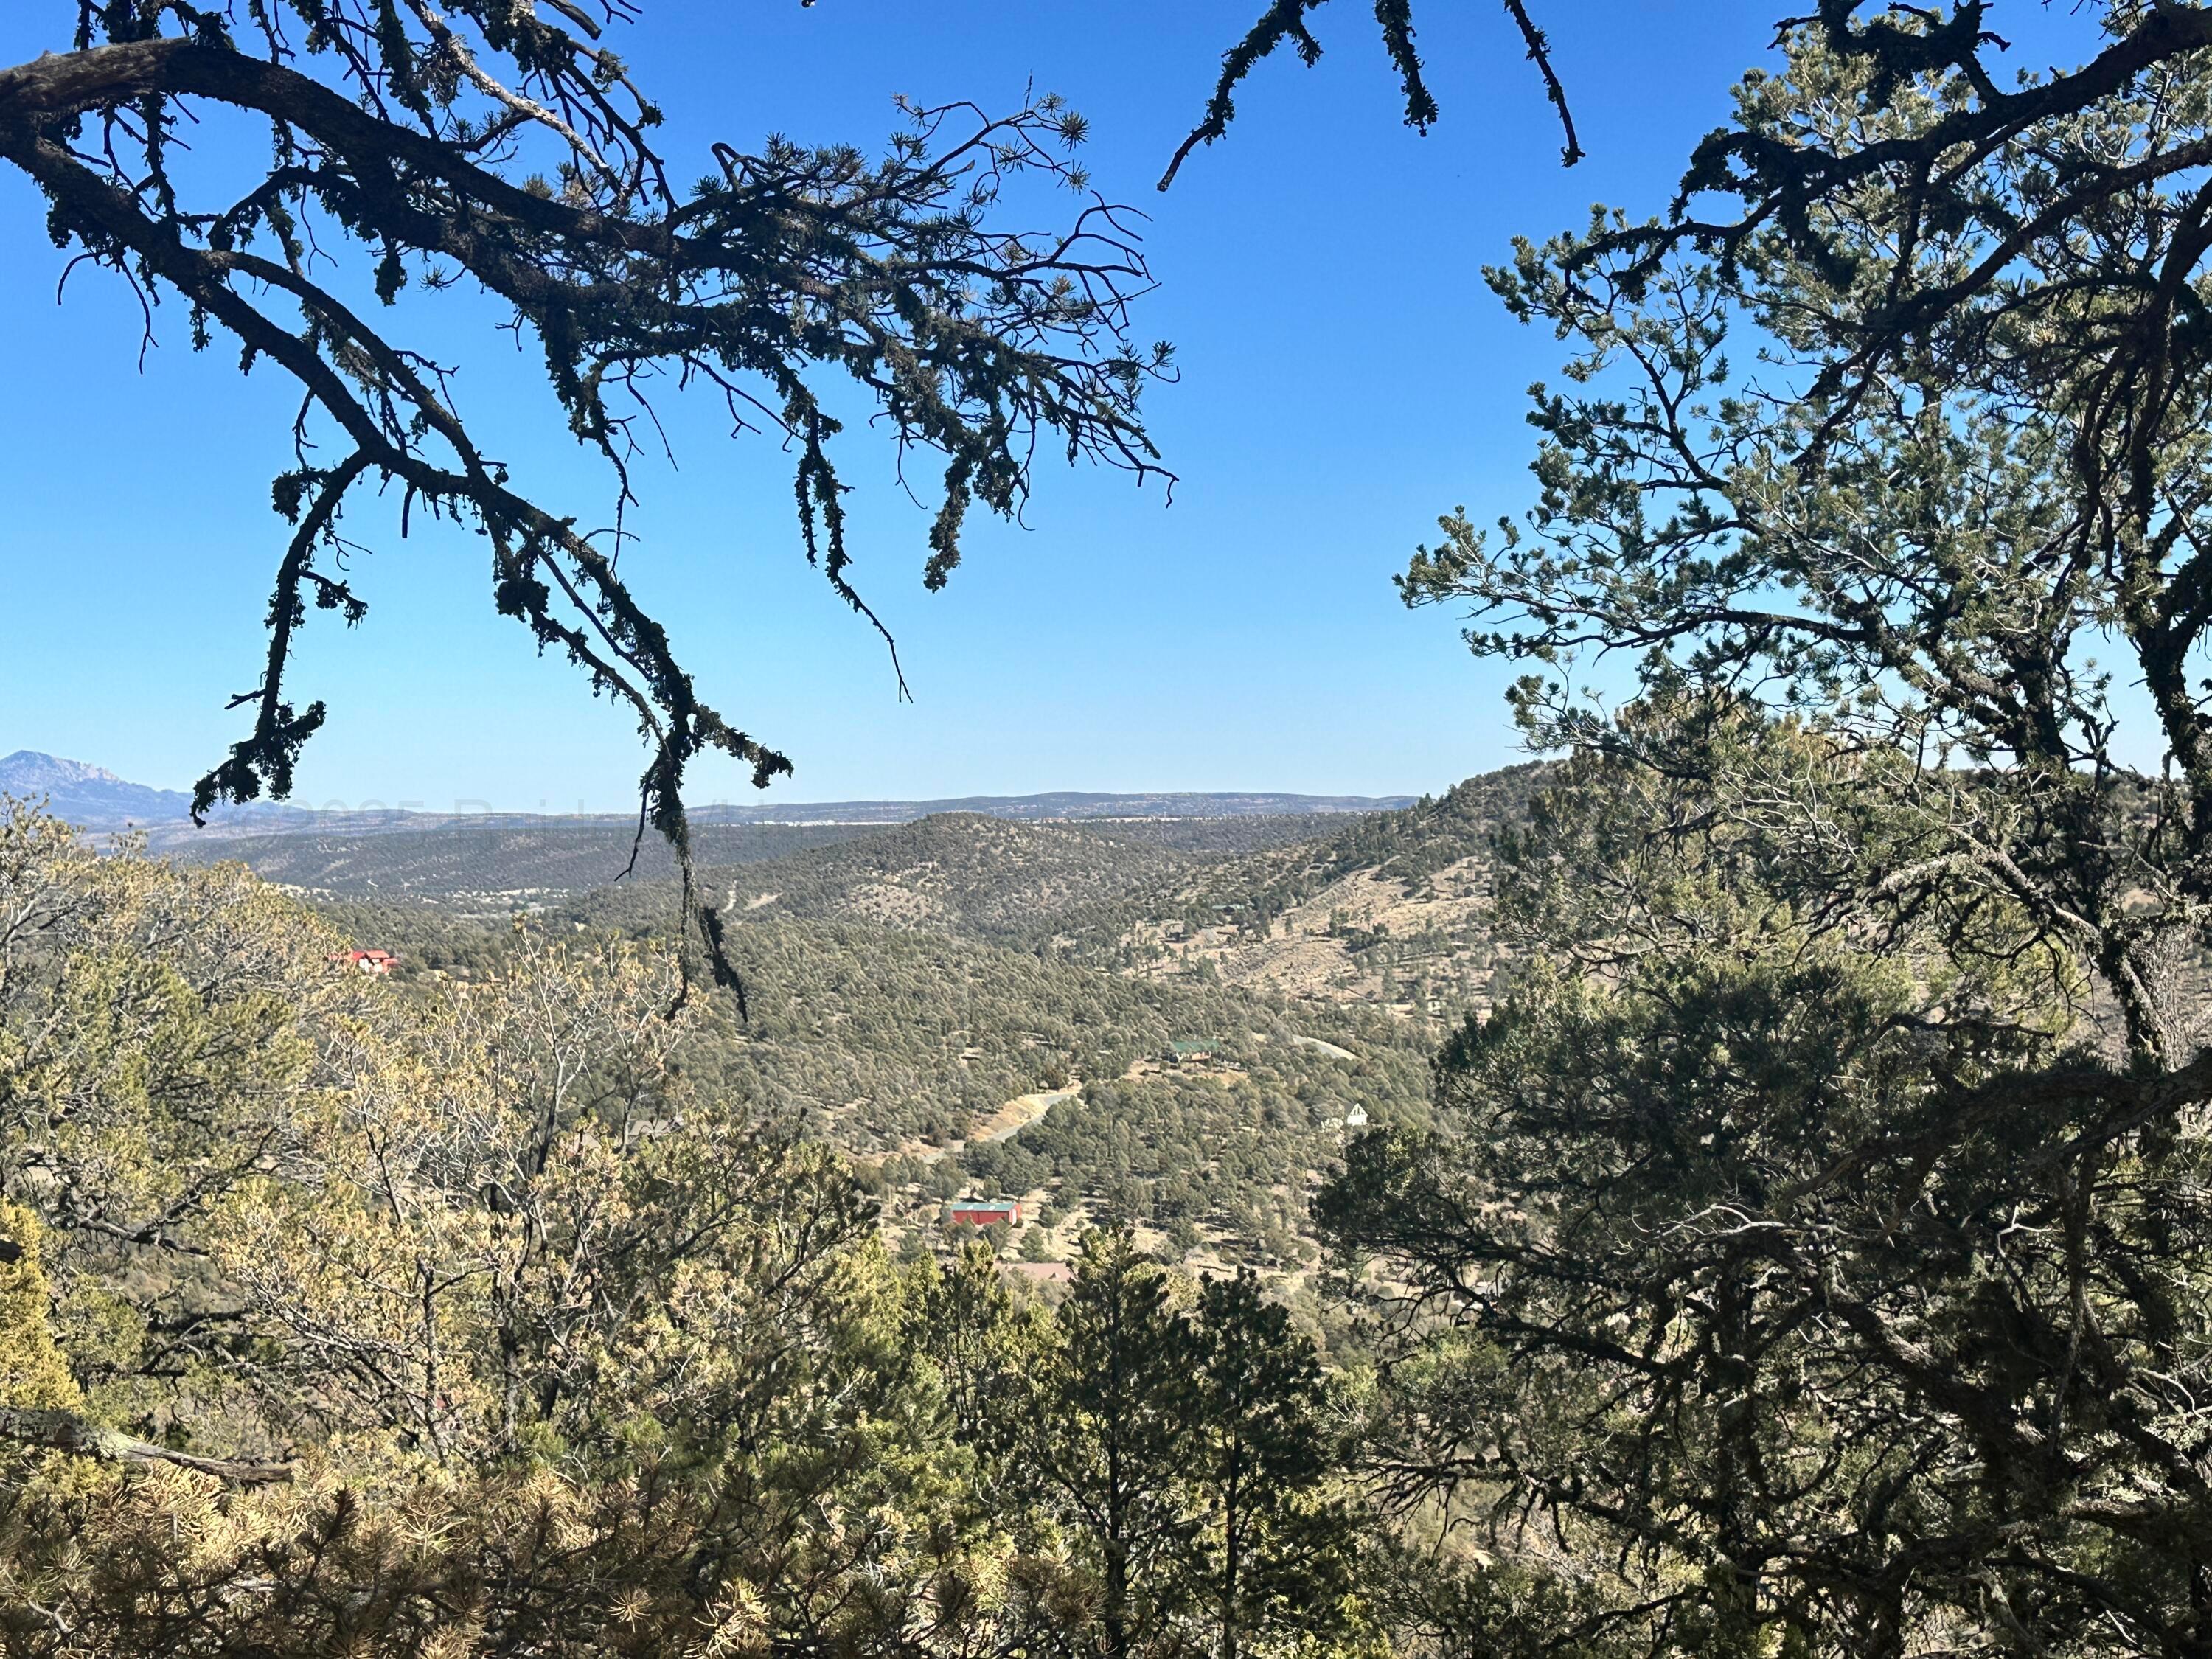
{"points": [[1392, 908]]}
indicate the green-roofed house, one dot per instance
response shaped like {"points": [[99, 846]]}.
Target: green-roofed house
{"points": [[1188, 1051]]}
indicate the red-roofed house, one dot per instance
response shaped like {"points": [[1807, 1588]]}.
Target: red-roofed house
{"points": [[369, 962], [984, 1211]]}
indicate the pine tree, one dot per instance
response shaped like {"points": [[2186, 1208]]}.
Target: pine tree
{"points": [[1114, 1434], [1273, 1549]]}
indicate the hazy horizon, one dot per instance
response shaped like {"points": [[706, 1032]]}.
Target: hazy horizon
{"points": [[753, 803]]}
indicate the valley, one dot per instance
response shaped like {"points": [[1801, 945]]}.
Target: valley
{"points": [[976, 1006], [973, 1003]]}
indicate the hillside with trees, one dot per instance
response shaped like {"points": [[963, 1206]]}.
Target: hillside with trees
{"points": [[1389, 909], [909, 982], [900, 1038], [965, 873], [493, 866], [486, 867]]}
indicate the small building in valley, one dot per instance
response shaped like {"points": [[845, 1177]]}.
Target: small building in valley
{"points": [[1193, 1051], [984, 1211], [369, 962]]}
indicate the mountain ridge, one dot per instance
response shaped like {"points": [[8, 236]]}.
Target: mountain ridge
{"points": [[95, 799], [85, 794]]}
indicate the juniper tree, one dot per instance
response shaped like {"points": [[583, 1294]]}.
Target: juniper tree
{"points": [[1271, 1556], [1786, 1255], [1861, 1332], [1928, 555], [1110, 1437]]}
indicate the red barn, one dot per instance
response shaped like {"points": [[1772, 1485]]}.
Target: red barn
{"points": [[984, 1213]]}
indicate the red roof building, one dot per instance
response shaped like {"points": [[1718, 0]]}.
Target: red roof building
{"points": [[369, 962], [984, 1211]]}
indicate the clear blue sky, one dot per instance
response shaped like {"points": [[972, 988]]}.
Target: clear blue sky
{"points": [[1347, 377]]}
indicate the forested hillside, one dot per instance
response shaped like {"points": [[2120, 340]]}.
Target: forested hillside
{"points": [[965, 873], [489, 866], [492, 864], [907, 983], [1385, 909]]}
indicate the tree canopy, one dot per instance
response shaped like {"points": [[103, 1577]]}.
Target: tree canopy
{"points": [[1810, 1237], [1759, 484]]}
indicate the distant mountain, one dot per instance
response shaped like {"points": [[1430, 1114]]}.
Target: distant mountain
{"points": [[88, 796], [92, 798]]}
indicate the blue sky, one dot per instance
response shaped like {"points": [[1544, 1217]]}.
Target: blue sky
{"points": [[1346, 376]]}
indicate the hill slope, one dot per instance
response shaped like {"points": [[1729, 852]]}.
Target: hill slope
{"points": [[1390, 909], [963, 873], [492, 866], [924, 993]]}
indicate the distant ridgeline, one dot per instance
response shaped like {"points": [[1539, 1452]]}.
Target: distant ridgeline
{"points": [[93, 798]]}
